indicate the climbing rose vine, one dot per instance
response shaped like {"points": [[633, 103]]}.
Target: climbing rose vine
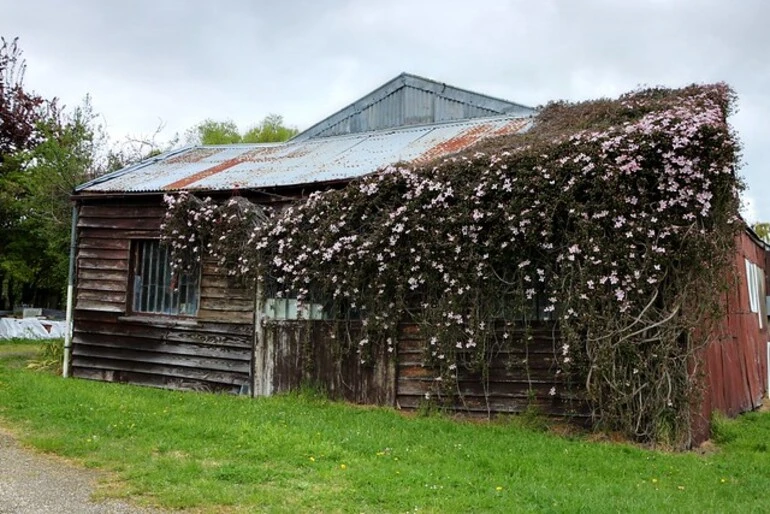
{"points": [[613, 221]]}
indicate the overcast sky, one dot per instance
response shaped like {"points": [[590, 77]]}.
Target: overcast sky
{"points": [[180, 61]]}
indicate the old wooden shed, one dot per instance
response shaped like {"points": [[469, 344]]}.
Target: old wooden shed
{"points": [[133, 321]]}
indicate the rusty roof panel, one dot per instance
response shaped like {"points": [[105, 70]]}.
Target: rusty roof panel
{"points": [[221, 168]]}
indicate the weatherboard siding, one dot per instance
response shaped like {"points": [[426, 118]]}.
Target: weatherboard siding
{"points": [[211, 351], [521, 377]]}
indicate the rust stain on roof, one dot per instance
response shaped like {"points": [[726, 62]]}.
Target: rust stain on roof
{"points": [[312, 161], [513, 127], [195, 177], [255, 155], [196, 155], [455, 144]]}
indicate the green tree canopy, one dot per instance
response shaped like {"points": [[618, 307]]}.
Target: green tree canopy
{"points": [[270, 130], [762, 230], [210, 132]]}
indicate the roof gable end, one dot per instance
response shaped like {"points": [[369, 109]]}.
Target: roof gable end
{"points": [[411, 100]]}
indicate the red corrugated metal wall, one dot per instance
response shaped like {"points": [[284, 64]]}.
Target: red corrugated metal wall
{"points": [[735, 364]]}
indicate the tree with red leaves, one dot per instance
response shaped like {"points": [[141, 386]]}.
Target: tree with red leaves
{"points": [[20, 111], [44, 153]]}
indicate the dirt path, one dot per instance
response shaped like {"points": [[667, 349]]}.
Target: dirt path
{"points": [[32, 483]]}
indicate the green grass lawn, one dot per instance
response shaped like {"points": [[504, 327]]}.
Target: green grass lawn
{"points": [[300, 453], [12, 348]]}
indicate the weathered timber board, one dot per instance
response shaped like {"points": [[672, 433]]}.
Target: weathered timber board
{"points": [[136, 343], [101, 264], [160, 381], [93, 243], [240, 317], [146, 223], [100, 306], [122, 211], [103, 254], [83, 364], [104, 296], [226, 304], [99, 275], [80, 364], [158, 356], [236, 336], [86, 284]]}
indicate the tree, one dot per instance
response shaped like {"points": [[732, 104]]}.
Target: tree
{"points": [[36, 256], [20, 111], [210, 132], [44, 154], [270, 130], [136, 149], [762, 230], [22, 114]]}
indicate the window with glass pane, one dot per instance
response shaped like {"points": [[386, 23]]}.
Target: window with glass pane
{"points": [[156, 288], [282, 305]]}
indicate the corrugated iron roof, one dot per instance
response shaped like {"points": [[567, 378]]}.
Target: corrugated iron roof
{"points": [[411, 100], [258, 166]]}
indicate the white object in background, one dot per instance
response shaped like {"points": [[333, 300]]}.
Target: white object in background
{"points": [[31, 313], [30, 328]]}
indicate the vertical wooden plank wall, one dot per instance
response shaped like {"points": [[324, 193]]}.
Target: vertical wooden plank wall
{"points": [[735, 364], [300, 353], [211, 351]]}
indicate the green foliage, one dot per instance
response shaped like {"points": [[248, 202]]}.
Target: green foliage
{"points": [[723, 429], [42, 157], [286, 454], [762, 230], [211, 132], [17, 351], [50, 356], [269, 130], [37, 232]]}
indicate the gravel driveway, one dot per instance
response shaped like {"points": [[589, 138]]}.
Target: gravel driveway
{"points": [[32, 483]]}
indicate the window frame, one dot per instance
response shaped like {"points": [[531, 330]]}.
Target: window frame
{"points": [[164, 304]]}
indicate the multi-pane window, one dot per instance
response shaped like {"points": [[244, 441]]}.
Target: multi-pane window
{"points": [[283, 305], [156, 288], [290, 308]]}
